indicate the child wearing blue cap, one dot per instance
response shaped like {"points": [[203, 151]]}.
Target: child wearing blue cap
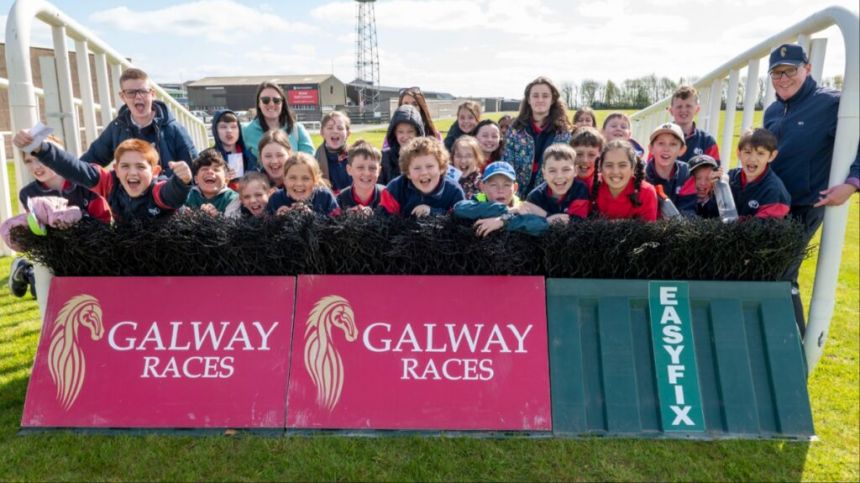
{"points": [[497, 205]]}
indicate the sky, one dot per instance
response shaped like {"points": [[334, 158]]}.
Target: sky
{"points": [[465, 47]]}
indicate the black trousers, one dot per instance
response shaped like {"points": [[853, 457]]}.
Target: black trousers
{"points": [[811, 218]]}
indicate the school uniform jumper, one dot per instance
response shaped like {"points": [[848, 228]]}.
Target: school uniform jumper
{"points": [[765, 197], [321, 201], [574, 203], [400, 197]]}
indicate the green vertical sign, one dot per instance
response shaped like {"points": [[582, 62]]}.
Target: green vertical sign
{"points": [[675, 357]]}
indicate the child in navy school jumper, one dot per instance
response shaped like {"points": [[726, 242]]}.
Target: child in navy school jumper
{"points": [[332, 155], [130, 188], [406, 124], [254, 191], [705, 170], [210, 193], [683, 108], [664, 168], [364, 166], [561, 197], [468, 161], [468, 116], [757, 190], [422, 189], [619, 190], [617, 126], [497, 205], [229, 142], [304, 188], [588, 143]]}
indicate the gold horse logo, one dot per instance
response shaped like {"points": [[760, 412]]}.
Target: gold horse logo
{"points": [[322, 360], [65, 357]]}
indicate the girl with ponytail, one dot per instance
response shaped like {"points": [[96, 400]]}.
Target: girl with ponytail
{"points": [[620, 191]]}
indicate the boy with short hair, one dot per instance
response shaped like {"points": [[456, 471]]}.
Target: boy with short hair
{"points": [[142, 117], [332, 154], [705, 170], [496, 206], [683, 108], [665, 169], [406, 124], [230, 144], [588, 143], [363, 167], [422, 189], [757, 190], [130, 188], [210, 193]]}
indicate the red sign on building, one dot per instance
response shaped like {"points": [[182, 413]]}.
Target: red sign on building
{"points": [[167, 352], [420, 352], [302, 97]]}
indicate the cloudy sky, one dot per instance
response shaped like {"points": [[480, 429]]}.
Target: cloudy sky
{"points": [[475, 47]]}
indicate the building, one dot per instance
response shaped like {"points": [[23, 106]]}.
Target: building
{"points": [[308, 95]]}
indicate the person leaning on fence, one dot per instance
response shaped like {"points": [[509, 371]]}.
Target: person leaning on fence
{"points": [[757, 191], [620, 190], [804, 118], [332, 153], [304, 189], [422, 189], [142, 117], [542, 121], [405, 125], [704, 169], [562, 197], [683, 108], [273, 113], [210, 192], [130, 188], [254, 191], [364, 165], [227, 133]]}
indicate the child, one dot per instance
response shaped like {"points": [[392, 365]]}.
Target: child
{"points": [[684, 107], [620, 191], [274, 149], [363, 166], [231, 145], [757, 190], [468, 115], [705, 170], [332, 156], [495, 207], [405, 125], [254, 189], [468, 160], [584, 117], [210, 193], [588, 143], [130, 187], [304, 188], [489, 136], [562, 196], [505, 124], [422, 189], [617, 126], [664, 169]]}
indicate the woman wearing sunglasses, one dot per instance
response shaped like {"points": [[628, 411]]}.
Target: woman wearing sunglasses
{"points": [[274, 113]]}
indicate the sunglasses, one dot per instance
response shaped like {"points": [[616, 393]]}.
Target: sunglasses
{"points": [[267, 100]]}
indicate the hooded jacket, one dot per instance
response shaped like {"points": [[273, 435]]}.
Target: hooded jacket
{"points": [[391, 156], [170, 139], [248, 158]]}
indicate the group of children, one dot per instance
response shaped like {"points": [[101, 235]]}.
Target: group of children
{"points": [[597, 173]]}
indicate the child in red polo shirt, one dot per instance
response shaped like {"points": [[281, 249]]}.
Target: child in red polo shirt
{"points": [[621, 192]]}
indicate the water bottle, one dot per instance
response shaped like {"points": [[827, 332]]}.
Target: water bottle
{"points": [[725, 201], [667, 209]]}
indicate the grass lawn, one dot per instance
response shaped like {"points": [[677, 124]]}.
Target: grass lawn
{"points": [[834, 390]]}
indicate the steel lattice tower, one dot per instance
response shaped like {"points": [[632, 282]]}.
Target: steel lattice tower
{"points": [[366, 55]]}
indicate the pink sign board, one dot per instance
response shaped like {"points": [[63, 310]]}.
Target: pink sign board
{"points": [[420, 352], [165, 352]]}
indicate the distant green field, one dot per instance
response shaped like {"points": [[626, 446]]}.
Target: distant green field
{"points": [[834, 391]]}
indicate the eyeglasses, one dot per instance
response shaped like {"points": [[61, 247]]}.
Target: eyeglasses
{"points": [[136, 92], [267, 100], [790, 72]]}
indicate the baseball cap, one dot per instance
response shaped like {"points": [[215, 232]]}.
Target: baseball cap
{"points": [[499, 167], [702, 160], [669, 128], [787, 54]]}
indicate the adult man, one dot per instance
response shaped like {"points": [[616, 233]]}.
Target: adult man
{"points": [[144, 118], [803, 118]]}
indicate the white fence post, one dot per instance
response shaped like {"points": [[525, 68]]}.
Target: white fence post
{"points": [[105, 99], [750, 95], [72, 138], [817, 49], [716, 100], [85, 83], [729, 123]]}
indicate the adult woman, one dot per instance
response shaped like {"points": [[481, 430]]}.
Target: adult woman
{"points": [[274, 113], [542, 121]]}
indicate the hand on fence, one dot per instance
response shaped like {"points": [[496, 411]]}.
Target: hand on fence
{"points": [[421, 211], [209, 209], [488, 225]]}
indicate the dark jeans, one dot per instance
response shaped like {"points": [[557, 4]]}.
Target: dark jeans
{"points": [[811, 219]]}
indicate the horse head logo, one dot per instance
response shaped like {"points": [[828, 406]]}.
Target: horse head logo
{"points": [[322, 360], [66, 360]]}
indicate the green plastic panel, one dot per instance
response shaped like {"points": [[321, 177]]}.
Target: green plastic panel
{"points": [[748, 357]]}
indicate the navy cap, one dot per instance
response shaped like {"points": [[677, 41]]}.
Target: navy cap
{"points": [[702, 160], [499, 167], [787, 54]]}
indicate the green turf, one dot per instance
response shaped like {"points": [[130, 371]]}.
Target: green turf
{"points": [[69, 456]]}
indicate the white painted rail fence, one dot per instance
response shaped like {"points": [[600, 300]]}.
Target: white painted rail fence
{"points": [[847, 134]]}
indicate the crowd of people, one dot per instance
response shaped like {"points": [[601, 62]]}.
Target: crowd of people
{"points": [[519, 174]]}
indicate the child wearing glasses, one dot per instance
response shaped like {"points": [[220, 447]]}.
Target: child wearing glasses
{"points": [[142, 117], [274, 113]]}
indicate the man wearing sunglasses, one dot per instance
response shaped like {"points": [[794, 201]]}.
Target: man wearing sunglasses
{"points": [[142, 117], [803, 118]]}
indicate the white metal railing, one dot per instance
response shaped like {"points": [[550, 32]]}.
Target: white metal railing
{"points": [[844, 151]]}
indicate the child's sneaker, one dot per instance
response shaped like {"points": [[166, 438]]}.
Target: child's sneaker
{"points": [[18, 277]]}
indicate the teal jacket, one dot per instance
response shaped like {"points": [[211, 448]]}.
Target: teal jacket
{"points": [[300, 140]]}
